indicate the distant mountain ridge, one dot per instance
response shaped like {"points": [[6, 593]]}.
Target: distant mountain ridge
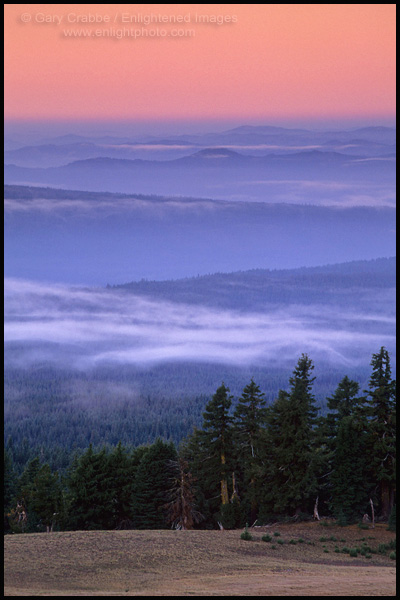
{"points": [[335, 284], [248, 139]]}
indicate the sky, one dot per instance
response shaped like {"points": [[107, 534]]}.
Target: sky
{"points": [[235, 63]]}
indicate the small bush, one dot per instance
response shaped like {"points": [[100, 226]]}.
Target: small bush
{"points": [[392, 555], [336, 550], [353, 552], [276, 533], [294, 542], [246, 535], [392, 544], [324, 523], [266, 538], [345, 550], [368, 556], [301, 541], [273, 547], [383, 548], [333, 539], [280, 542], [323, 539], [326, 550]]}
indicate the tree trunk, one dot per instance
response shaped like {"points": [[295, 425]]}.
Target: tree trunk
{"points": [[224, 484], [372, 512], [385, 499], [316, 515]]}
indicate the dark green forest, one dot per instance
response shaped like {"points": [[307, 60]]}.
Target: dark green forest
{"points": [[50, 411], [248, 460]]}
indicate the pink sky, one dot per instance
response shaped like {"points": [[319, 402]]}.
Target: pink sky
{"points": [[279, 60]]}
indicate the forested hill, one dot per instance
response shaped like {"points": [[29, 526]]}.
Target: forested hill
{"points": [[338, 284]]}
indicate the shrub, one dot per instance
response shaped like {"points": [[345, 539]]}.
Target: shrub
{"points": [[276, 533], [342, 520], [392, 555], [382, 548], [281, 542], [246, 535], [294, 542], [266, 538], [301, 541], [353, 552], [324, 523], [333, 539], [323, 539]]}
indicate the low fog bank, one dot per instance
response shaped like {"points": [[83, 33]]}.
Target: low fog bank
{"points": [[85, 328]]}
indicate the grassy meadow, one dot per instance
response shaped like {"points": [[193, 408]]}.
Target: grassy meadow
{"points": [[304, 559]]}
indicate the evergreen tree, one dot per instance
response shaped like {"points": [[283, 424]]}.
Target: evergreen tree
{"points": [[217, 438], [381, 414], [45, 497], [9, 480], [121, 473], [344, 403], [348, 487], [90, 492], [294, 462], [151, 486], [209, 452], [249, 439]]}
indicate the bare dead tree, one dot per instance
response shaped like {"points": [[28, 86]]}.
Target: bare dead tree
{"points": [[181, 512], [372, 513], [316, 515]]}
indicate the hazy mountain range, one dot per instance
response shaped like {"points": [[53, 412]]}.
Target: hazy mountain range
{"points": [[60, 150], [262, 163]]}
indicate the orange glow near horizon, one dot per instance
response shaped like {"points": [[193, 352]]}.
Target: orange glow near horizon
{"points": [[267, 61]]}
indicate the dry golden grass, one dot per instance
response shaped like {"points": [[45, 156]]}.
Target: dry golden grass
{"points": [[198, 563]]}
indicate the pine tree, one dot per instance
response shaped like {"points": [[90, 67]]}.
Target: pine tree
{"points": [[121, 474], [90, 492], [9, 488], [151, 486], [46, 497], [381, 414], [218, 437], [209, 452], [249, 439], [293, 460], [345, 403], [348, 481]]}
